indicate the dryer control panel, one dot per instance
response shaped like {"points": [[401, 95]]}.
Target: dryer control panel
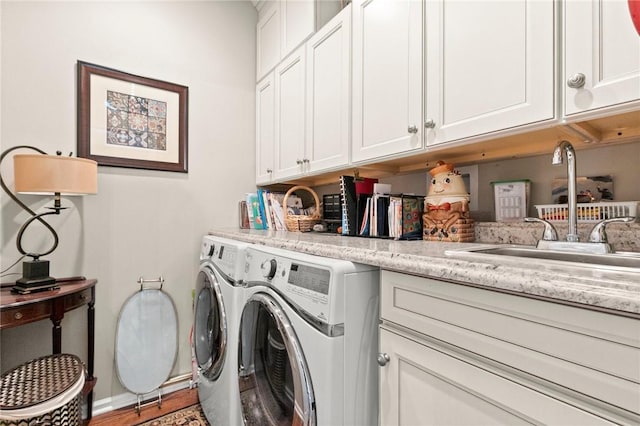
{"points": [[227, 257]]}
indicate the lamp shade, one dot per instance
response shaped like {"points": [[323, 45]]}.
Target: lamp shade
{"points": [[47, 174]]}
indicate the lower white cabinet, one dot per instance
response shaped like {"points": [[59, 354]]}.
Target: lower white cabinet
{"points": [[454, 354]]}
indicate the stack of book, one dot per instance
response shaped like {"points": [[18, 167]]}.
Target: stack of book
{"points": [[265, 209], [379, 213]]}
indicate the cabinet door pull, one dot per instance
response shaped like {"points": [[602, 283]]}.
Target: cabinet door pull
{"points": [[412, 129], [429, 124], [577, 81], [383, 359], [17, 315]]}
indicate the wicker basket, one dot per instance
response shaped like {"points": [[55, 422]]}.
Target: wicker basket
{"points": [[298, 222]]}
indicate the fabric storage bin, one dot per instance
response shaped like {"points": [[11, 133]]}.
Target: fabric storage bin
{"points": [[44, 391]]}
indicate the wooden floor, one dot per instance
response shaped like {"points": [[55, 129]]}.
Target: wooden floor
{"points": [[128, 416]]}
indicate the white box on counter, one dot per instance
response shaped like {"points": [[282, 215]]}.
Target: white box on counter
{"points": [[511, 199]]}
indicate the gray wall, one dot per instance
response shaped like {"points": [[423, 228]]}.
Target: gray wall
{"points": [[141, 223], [621, 161]]}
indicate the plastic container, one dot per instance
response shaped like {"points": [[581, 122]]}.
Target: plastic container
{"points": [[588, 212], [511, 199]]}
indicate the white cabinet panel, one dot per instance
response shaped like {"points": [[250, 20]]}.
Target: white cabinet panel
{"points": [[387, 77], [531, 353], [290, 114], [428, 384], [602, 45], [268, 39], [489, 66], [297, 23], [328, 93], [265, 130]]}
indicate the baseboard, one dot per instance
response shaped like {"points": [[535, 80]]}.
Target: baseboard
{"points": [[128, 399]]}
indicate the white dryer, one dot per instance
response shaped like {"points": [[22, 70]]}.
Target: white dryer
{"points": [[308, 340], [218, 304]]}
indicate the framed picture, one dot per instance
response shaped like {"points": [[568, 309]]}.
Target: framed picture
{"points": [[125, 120]]}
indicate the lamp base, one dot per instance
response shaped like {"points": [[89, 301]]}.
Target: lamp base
{"points": [[34, 288], [35, 277]]}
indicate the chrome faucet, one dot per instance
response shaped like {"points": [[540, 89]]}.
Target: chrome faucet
{"points": [[597, 242], [572, 206]]}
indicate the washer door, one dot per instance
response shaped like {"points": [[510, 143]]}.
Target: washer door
{"points": [[209, 325], [275, 384]]}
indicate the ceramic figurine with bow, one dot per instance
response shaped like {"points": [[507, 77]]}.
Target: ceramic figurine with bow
{"points": [[446, 208]]}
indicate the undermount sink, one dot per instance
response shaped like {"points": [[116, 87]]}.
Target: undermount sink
{"points": [[616, 260]]}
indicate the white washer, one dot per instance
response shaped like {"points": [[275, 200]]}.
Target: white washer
{"points": [[218, 305], [308, 340]]}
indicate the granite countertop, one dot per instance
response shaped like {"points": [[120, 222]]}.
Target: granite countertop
{"points": [[581, 285]]}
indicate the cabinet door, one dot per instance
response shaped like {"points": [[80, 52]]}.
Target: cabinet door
{"points": [[328, 92], [602, 46], [265, 129], [290, 115], [489, 66], [424, 383], [268, 39], [387, 77], [297, 23]]}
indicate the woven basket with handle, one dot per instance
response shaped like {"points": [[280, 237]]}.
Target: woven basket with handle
{"points": [[298, 222]]}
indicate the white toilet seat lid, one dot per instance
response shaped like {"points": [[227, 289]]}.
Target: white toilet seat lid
{"points": [[146, 341]]}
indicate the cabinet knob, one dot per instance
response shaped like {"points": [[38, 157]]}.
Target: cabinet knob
{"points": [[298, 161], [412, 129], [383, 359], [577, 81], [17, 315], [269, 171], [429, 124], [306, 160]]}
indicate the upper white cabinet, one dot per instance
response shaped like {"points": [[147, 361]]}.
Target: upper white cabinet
{"points": [[489, 66], [284, 25], [328, 94], [297, 23], [387, 77], [601, 57], [307, 100], [290, 115], [267, 38], [265, 129]]}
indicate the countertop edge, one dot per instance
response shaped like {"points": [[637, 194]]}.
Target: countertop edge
{"points": [[576, 286]]}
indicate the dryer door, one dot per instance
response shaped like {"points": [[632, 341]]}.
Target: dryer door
{"points": [[275, 384], [209, 325]]}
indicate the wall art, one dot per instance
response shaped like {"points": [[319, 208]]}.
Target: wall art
{"points": [[125, 120]]}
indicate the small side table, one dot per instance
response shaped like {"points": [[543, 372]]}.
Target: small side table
{"points": [[18, 309]]}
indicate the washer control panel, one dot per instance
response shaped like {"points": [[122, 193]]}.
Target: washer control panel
{"points": [[302, 284]]}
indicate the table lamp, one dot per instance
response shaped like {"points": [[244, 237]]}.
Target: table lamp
{"points": [[43, 174]]}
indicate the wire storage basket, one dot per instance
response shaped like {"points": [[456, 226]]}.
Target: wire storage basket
{"points": [[299, 222], [588, 212]]}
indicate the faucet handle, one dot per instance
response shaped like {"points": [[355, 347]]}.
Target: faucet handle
{"points": [[550, 233], [598, 233]]}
